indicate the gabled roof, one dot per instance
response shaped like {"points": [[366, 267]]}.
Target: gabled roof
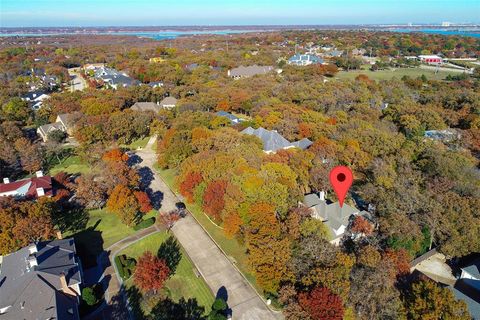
{"points": [[49, 127], [332, 214], [36, 292], [249, 71], [297, 58], [28, 187], [146, 106], [274, 141], [65, 119], [168, 101], [302, 144], [228, 115]]}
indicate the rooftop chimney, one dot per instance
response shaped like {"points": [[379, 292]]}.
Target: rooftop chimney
{"points": [[32, 261], [321, 195], [6, 180], [59, 235], [65, 288], [40, 192], [32, 248], [39, 174]]}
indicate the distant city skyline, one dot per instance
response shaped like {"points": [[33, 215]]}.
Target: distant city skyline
{"points": [[87, 13]]}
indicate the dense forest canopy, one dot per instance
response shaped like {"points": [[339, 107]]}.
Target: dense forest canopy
{"points": [[422, 193]]}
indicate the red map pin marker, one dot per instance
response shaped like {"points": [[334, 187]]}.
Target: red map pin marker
{"points": [[341, 178]]}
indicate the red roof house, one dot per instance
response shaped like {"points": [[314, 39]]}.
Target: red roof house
{"points": [[35, 187]]}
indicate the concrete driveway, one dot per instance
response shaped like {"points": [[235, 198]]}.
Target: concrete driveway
{"points": [[220, 274]]}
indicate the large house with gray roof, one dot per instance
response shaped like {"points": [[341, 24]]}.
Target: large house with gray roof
{"points": [[274, 141], [113, 78], [304, 60], [64, 122], [146, 106], [336, 218], [41, 281]]}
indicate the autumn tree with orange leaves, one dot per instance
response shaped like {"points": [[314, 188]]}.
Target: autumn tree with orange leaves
{"points": [[143, 201], [123, 203], [269, 252], [150, 273]]}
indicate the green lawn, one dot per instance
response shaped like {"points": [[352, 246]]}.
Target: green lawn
{"points": [[140, 143], [232, 248], [184, 283], [101, 231], [397, 73], [72, 164]]}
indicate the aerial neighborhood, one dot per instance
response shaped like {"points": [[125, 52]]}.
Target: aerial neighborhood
{"points": [[191, 177]]}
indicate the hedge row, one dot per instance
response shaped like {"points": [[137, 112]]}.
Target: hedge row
{"points": [[125, 266], [144, 224]]}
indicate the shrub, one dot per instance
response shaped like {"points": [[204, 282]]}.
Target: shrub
{"points": [[89, 296], [144, 224], [125, 266]]}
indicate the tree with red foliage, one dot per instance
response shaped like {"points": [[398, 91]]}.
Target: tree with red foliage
{"points": [[213, 201], [322, 304], [143, 201], [115, 155], [401, 261], [361, 225], [187, 186], [169, 218], [150, 273]]}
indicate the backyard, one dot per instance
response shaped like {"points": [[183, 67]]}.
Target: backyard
{"points": [[71, 164], [184, 282]]}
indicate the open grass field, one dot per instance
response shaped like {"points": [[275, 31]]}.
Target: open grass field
{"points": [[184, 283], [72, 164], [397, 73], [235, 251]]}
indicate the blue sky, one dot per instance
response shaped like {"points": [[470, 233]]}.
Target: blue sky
{"points": [[27, 13]]}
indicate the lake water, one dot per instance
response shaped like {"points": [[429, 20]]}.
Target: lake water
{"points": [[162, 35], [475, 34]]}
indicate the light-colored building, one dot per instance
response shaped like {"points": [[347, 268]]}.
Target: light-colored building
{"points": [[168, 103], [431, 59], [336, 218], [62, 123], [304, 60], [274, 141], [146, 106], [36, 98], [250, 71]]}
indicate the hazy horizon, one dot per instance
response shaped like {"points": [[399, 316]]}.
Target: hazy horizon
{"points": [[145, 13]]}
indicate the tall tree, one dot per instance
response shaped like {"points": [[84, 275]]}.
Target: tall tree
{"points": [[123, 203], [150, 273], [429, 301], [321, 304], [268, 251]]}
